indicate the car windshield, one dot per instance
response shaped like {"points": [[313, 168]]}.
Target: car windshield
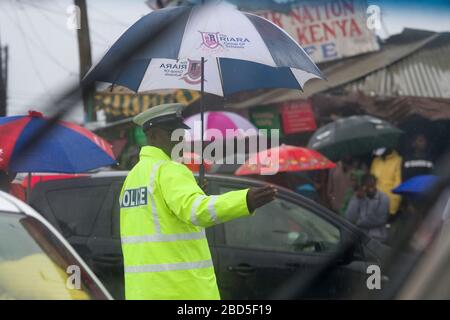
{"points": [[34, 264]]}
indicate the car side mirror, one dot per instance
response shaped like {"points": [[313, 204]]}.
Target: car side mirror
{"points": [[351, 254]]}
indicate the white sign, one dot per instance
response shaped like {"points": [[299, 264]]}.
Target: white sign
{"points": [[329, 29]]}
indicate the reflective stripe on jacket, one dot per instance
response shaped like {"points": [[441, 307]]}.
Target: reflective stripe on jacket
{"points": [[163, 213]]}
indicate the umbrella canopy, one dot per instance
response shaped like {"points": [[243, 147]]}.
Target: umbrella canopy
{"points": [[417, 186], [221, 121], [217, 32], [195, 35], [352, 136], [65, 147], [290, 158], [251, 5], [223, 77]]}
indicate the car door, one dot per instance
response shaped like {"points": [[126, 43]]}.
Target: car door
{"points": [[260, 253], [104, 242], [82, 209], [75, 205]]}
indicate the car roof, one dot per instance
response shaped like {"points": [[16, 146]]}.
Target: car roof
{"points": [[249, 182], [230, 178], [223, 177], [9, 203], [105, 174]]}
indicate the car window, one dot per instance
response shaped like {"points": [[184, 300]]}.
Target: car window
{"points": [[34, 264], [282, 226], [76, 209]]}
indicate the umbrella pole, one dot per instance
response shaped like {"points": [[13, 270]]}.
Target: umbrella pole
{"points": [[28, 187], [202, 111]]}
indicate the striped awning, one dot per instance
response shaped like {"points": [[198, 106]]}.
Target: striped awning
{"points": [[124, 105]]}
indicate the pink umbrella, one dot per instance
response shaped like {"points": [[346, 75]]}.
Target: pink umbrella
{"points": [[221, 121]]}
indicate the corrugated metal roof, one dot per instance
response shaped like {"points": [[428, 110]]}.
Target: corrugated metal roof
{"points": [[426, 73]]}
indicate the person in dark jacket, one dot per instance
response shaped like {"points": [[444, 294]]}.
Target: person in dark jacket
{"points": [[369, 209], [419, 162]]}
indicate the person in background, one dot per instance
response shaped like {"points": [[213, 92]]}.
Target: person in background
{"points": [[369, 208], [387, 168], [419, 161], [356, 177], [306, 185], [339, 181]]}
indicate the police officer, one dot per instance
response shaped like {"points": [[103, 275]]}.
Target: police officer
{"points": [[163, 213]]}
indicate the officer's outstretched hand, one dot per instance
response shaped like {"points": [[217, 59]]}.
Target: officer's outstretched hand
{"points": [[257, 197]]}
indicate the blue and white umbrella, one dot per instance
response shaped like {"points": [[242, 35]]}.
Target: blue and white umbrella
{"points": [[283, 6], [212, 48], [223, 77], [241, 52]]}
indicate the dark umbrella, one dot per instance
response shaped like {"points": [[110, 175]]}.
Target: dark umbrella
{"points": [[352, 136]]}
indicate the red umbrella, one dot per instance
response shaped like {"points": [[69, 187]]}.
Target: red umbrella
{"points": [[290, 158]]}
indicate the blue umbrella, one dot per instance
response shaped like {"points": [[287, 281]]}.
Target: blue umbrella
{"points": [[417, 186], [64, 148]]}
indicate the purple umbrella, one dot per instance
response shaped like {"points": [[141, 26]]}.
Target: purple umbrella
{"points": [[221, 121]]}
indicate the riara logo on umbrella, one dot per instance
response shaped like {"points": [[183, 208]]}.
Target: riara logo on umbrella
{"points": [[217, 40], [188, 70], [194, 72]]}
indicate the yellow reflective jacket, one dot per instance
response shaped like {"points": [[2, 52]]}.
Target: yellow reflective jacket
{"points": [[163, 213], [388, 171]]}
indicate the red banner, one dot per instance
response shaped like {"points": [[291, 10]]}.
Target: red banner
{"points": [[297, 116]]}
